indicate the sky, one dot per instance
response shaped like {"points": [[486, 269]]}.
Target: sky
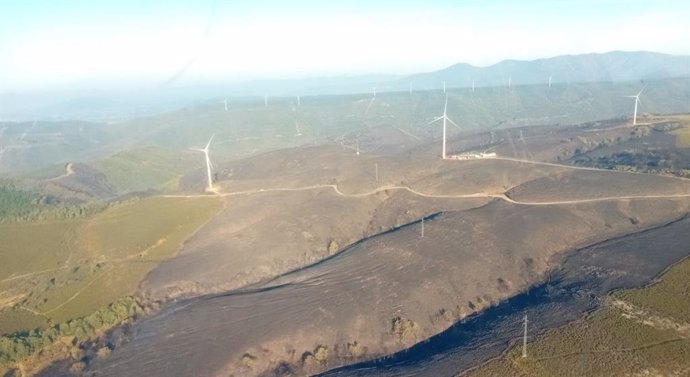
{"points": [[61, 44]]}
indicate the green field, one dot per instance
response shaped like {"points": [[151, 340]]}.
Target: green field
{"points": [[683, 138], [683, 133], [638, 332], [53, 271]]}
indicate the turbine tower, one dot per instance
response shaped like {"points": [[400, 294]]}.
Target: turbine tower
{"points": [[208, 162], [637, 102], [444, 87], [371, 102], [445, 118]]}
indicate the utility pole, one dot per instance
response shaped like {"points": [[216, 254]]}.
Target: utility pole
{"points": [[524, 339]]}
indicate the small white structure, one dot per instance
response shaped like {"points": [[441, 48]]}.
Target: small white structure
{"points": [[473, 156]]}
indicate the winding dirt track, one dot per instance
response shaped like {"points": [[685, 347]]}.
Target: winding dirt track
{"points": [[501, 196]]}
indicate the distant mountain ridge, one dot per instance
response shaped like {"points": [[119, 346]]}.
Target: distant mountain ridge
{"points": [[104, 105], [615, 66]]}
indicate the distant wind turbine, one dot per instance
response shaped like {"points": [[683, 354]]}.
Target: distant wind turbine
{"points": [[550, 77], [510, 81], [226, 104], [637, 102], [410, 88], [299, 103], [208, 162], [445, 118], [472, 85]]}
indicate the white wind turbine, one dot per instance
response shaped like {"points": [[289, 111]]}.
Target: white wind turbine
{"points": [[445, 118], [208, 162], [637, 102]]}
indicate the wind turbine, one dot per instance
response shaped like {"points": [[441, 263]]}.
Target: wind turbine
{"points": [[226, 104], [637, 102], [299, 103], [208, 162], [445, 118], [550, 77]]}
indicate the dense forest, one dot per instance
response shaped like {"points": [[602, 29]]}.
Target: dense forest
{"points": [[20, 205]]}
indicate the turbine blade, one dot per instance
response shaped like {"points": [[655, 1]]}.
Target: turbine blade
{"points": [[209, 141], [196, 149], [640, 92], [453, 123], [434, 121]]}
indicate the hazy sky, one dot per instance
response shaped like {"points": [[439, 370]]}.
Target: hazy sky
{"points": [[63, 43]]}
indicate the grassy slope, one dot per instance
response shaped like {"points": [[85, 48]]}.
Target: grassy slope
{"points": [[76, 266], [145, 168], [641, 332]]}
